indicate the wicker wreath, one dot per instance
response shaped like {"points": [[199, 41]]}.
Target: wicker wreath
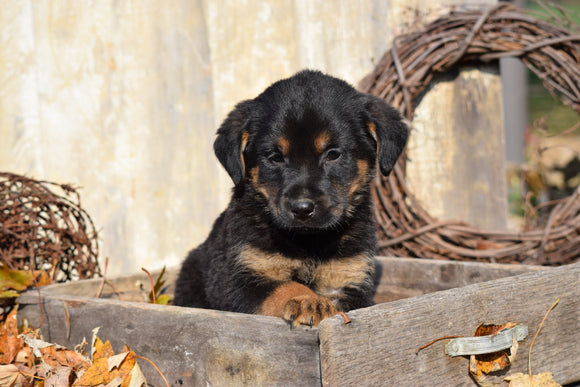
{"points": [[404, 72], [42, 226]]}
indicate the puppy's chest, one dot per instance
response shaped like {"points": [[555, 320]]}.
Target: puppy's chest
{"points": [[327, 278]]}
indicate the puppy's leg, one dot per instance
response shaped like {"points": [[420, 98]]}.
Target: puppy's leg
{"points": [[297, 304]]}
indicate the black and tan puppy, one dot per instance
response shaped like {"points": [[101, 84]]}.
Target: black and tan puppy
{"points": [[298, 237]]}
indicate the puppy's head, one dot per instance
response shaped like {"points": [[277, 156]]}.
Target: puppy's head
{"points": [[307, 147]]}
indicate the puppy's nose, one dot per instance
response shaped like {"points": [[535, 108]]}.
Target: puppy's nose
{"points": [[302, 209]]}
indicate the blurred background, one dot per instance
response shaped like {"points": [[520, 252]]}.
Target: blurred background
{"points": [[122, 99]]}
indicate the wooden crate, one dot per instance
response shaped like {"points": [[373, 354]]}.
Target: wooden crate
{"points": [[206, 347]]}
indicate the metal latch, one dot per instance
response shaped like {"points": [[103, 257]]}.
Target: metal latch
{"points": [[486, 344]]}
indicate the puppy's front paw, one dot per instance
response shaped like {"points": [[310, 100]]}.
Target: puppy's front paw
{"points": [[308, 310]]}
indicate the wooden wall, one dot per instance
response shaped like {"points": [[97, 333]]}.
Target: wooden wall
{"points": [[122, 98]]}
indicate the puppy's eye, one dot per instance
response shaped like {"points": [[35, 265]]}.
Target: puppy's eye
{"points": [[276, 158], [332, 155]]}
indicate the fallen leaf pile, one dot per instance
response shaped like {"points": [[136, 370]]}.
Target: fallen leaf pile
{"points": [[28, 361]]}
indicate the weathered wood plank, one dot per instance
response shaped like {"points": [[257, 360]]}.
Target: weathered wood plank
{"points": [[400, 278], [456, 150], [192, 347], [129, 287], [409, 277], [379, 346]]}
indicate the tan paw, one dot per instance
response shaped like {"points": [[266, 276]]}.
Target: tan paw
{"points": [[308, 310]]}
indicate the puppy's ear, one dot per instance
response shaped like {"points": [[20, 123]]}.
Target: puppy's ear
{"points": [[387, 128], [232, 139]]}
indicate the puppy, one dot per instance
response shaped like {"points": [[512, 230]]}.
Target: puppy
{"points": [[297, 239]]}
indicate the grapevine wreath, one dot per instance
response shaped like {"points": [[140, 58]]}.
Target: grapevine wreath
{"points": [[44, 227], [465, 37]]}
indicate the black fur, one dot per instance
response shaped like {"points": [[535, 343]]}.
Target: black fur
{"points": [[300, 202]]}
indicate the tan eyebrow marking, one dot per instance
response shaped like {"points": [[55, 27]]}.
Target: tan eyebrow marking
{"points": [[321, 142], [284, 145]]}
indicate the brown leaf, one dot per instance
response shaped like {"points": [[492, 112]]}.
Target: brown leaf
{"points": [[126, 368], [108, 367], [544, 379], [102, 350], [10, 343], [42, 278], [96, 374], [491, 329], [497, 361], [59, 377], [58, 356], [481, 365]]}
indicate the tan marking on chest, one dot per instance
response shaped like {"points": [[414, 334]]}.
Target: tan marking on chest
{"points": [[328, 278], [273, 266], [332, 276]]}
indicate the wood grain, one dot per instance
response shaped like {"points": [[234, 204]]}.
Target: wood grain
{"points": [[379, 346], [410, 277], [456, 150], [192, 347]]}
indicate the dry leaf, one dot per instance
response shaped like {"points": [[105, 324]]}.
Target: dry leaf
{"points": [[108, 369], [57, 366], [59, 377], [115, 382], [15, 279], [481, 365], [20, 280], [42, 278], [10, 343], [116, 360], [57, 356], [544, 379], [96, 374], [25, 356], [137, 377], [497, 361], [10, 376], [102, 350], [36, 344]]}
